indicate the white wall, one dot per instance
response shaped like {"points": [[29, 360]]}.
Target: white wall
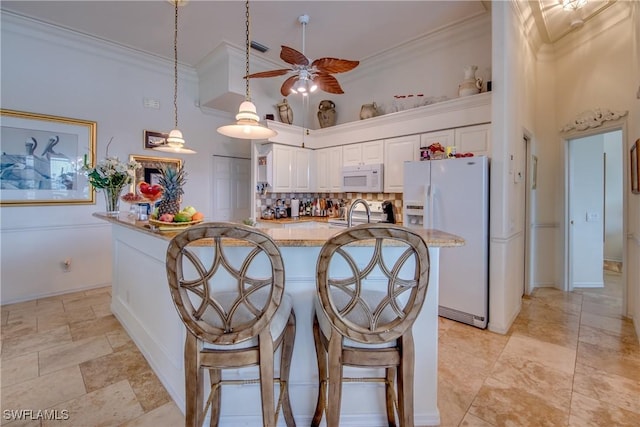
{"points": [[613, 208], [49, 71]]}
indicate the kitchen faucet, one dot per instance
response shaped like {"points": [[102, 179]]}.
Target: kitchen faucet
{"points": [[353, 204]]}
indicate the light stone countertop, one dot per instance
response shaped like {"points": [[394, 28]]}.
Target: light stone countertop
{"points": [[296, 237]]}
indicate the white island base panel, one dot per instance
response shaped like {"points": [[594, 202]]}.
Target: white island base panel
{"points": [[142, 303]]}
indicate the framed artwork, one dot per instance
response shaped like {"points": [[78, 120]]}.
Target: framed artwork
{"points": [[635, 167], [42, 159], [154, 139], [150, 170]]}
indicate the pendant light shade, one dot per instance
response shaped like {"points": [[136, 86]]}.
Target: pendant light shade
{"points": [[247, 125], [175, 142]]}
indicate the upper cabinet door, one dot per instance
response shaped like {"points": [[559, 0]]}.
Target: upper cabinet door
{"points": [[352, 154], [335, 169], [282, 162], [373, 152], [301, 169], [445, 138], [474, 139], [397, 151]]}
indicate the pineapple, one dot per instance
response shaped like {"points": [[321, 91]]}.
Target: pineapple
{"points": [[171, 181]]}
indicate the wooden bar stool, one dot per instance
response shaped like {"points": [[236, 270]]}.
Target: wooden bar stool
{"points": [[368, 298], [227, 283]]}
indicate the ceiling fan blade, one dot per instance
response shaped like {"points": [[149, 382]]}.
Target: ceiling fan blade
{"points": [[328, 83], [334, 65], [293, 57], [271, 73], [285, 89]]}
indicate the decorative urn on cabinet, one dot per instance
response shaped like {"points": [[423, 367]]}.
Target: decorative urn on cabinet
{"points": [[471, 84], [327, 113]]}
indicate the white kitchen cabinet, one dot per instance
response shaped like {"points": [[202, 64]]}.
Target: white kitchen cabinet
{"points": [[474, 139], [363, 153], [301, 169], [291, 168], [445, 137], [329, 169], [396, 152], [469, 139]]}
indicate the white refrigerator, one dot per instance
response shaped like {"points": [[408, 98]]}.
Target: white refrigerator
{"points": [[453, 196]]}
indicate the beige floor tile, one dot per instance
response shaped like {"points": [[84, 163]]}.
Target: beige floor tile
{"points": [[98, 291], [20, 305], [44, 391], [470, 420], [609, 309], [22, 420], [481, 343], [541, 313], [4, 315], [558, 300], [40, 341], [554, 356], [503, 405], [118, 338], [49, 307], [626, 344], [95, 327], [587, 412], [609, 360], [102, 310], [166, 415], [609, 388], [114, 367], [110, 406], [149, 390], [20, 327], [87, 301], [73, 353], [53, 320], [554, 333], [619, 326], [18, 369], [549, 384]]}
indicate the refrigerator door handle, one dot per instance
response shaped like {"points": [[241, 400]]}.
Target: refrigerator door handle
{"points": [[428, 207]]}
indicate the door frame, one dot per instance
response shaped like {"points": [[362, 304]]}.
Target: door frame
{"points": [[606, 127]]}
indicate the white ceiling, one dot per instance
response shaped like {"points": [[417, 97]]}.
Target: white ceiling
{"points": [[354, 29]]}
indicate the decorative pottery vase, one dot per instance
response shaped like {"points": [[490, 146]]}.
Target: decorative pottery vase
{"points": [[285, 112], [112, 200], [471, 84], [368, 110], [326, 113]]}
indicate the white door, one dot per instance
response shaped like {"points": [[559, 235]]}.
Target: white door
{"points": [[586, 212], [231, 189]]}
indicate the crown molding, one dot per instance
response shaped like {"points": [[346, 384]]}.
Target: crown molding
{"points": [[13, 23], [592, 119]]}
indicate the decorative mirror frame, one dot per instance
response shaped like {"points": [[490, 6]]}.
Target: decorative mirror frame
{"points": [[634, 167]]}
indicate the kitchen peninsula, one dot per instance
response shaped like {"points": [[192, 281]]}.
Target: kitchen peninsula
{"points": [[142, 303]]}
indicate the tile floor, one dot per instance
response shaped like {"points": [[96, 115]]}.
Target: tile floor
{"points": [[569, 360]]}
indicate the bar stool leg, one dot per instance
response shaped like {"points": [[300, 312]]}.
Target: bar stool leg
{"points": [[266, 378], [405, 380], [194, 382], [321, 355], [285, 368], [335, 379], [215, 376], [390, 395]]}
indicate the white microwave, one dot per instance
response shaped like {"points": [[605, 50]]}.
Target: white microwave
{"points": [[362, 178]]}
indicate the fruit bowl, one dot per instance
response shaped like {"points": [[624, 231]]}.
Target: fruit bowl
{"points": [[171, 226]]}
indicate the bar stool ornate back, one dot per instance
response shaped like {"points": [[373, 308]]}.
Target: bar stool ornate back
{"points": [[369, 297], [227, 283]]}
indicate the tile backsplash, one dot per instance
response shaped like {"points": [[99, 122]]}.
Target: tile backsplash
{"points": [[269, 199]]}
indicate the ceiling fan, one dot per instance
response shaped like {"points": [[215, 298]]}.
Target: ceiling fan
{"points": [[308, 76]]}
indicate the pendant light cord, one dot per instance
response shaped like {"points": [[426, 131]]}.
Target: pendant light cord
{"points": [[246, 48], [175, 66]]}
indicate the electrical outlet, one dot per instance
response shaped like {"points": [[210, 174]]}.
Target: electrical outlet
{"points": [[66, 265]]}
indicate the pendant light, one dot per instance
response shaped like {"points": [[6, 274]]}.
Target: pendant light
{"points": [[247, 125], [175, 142]]}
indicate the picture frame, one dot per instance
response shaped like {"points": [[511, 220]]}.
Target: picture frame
{"points": [[154, 139], [43, 158], [150, 170], [634, 167]]}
